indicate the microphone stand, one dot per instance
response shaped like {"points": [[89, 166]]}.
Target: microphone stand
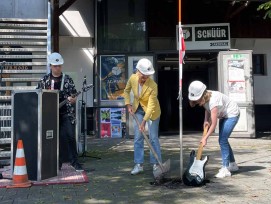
{"points": [[84, 123]]}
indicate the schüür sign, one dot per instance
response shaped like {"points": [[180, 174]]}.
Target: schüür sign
{"points": [[207, 36], [209, 33]]}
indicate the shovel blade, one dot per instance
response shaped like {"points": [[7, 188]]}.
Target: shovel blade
{"points": [[159, 172]]}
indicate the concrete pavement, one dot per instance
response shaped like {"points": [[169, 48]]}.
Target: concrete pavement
{"points": [[111, 181]]}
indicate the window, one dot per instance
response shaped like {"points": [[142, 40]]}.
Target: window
{"points": [[259, 64], [121, 26]]}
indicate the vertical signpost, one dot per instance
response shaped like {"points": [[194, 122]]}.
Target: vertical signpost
{"points": [[181, 54]]}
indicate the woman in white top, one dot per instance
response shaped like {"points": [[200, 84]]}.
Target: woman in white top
{"points": [[217, 106]]}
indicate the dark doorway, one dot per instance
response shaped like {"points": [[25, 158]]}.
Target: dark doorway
{"points": [[168, 92], [201, 69], [193, 117]]}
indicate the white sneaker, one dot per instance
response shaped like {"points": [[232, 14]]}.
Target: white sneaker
{"points": [[233, 167], [137, 169], [223, 172]]}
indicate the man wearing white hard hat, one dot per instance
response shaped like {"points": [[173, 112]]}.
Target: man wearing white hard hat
{"points": [[57, 80], [147, 109], [217, 106]]}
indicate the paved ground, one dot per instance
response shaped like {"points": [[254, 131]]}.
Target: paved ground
{"points": [[111, 181]]}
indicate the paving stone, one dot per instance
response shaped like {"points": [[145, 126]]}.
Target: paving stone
{"points": [[10, 192], [6, 201], [9, 197], [21, 201], [21, 195]]}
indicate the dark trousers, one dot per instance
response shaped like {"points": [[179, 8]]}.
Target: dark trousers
{"points": [[67, 141]]}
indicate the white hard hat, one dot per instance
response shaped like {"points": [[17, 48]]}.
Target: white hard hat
{"points": [[196, 89], [145, 67], [55, 59]]}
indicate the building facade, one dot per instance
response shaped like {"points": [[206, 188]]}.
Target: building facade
{"points": [[102, 39]]}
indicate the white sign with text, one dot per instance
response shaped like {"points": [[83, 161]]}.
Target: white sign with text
{"points": [[207, 36]]}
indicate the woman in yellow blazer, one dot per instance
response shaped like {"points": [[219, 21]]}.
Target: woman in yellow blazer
{"points": [[147, 109]]}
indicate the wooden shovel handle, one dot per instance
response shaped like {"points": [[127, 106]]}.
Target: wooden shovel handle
{"points": [[200, 149], [149, 144]]}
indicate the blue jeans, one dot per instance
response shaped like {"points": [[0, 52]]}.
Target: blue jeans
{"points": [[153, 126], [226, 126]]}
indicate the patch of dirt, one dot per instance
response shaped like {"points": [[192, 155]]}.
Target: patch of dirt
{"points": [[173, 183]]}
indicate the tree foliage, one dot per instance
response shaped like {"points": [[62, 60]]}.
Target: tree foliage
{"points": [[266, 7]]}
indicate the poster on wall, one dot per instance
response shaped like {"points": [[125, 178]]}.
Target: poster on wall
{"points": [[105, 115], [116, 130], [116, 122], [105, 130], [112, 77], [135, 61], [237, 91], [236, 80], [132, 62], [113, 122], [236, 70]]}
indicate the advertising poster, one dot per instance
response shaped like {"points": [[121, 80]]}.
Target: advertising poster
{"points": [[236, 70], [135, 61], [237, 91], [116, 130], [113, 80], [123, 115], [105, 115], [113, 122], [236, 82], [105, 130], [116, 116]]}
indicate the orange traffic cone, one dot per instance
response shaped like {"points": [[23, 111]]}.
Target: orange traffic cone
{"points": [[20, 177]]}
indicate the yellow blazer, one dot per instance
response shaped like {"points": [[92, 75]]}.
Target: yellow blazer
{"points": [[147, 99]]}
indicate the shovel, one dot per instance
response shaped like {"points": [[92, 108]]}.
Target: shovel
{"points": [[162, 168]]}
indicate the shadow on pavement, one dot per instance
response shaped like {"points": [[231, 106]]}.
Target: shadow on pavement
{"points": [[112, 182], [245, 169]]}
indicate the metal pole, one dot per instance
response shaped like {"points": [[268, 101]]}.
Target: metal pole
{"points": [[85, 120], [49, 35], [180, 88], [55, 28]]}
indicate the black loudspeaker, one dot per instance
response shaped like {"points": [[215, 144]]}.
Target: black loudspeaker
{"points": [[35, 121]]}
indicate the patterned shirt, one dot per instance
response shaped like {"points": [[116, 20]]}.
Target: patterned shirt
{"points": [[68, 90]]}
